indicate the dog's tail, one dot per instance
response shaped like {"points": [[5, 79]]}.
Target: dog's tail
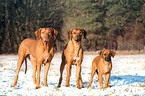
{"points": [[25, 65]]}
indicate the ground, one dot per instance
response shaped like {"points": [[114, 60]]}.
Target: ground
{"points": [[127, 77]]}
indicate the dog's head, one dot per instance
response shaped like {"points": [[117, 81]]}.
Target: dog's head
{"points": [[46, 34], [106, 54], [77, 34]]}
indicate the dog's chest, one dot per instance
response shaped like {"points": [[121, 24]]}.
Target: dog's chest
{"points": [[73, 52], [107, 67], [74, 48], [76, 55], [75, 60], [45, 59]]}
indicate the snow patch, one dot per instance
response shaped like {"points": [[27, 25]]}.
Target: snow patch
{"points": [[127, 78]]}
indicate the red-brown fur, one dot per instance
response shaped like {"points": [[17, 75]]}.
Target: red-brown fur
{"points": [[39, 52], [103, 64]]}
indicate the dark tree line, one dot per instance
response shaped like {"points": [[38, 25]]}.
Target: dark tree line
{"points": [[113, 24]]}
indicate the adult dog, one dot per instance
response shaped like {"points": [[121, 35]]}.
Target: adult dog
{"points": [[73, 55], [39, 52], [103, 64]]}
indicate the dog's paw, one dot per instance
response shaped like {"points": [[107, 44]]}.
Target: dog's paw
{"points": [[101, 87], [12, 85], [79, 87], [46, 85], [58, 86], [66, 85], [37, 87]]}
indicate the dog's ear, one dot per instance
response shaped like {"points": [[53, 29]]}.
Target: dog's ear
{"points": [[69, 33], [54, 32], [101, 52], [85, 33], [38, 33], [112, 53]]}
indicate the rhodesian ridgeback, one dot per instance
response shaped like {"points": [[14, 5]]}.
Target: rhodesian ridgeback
{"points": [[39, 52], [102, 64], [73, 55]]}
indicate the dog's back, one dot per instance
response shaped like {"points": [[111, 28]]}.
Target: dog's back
{"points": [[95, 62], [27, 46]]}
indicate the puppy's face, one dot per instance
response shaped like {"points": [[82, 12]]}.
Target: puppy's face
{"points": [[106, 54], [77, 34], [46, 34]]}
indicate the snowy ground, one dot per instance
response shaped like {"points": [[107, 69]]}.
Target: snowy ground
{"points": [[127, 78]]}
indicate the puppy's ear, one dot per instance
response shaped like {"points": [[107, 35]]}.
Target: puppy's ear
{"points": [[85, 33], [101, 52], [54, 32], [112, 53], [38, 33], [70, 34]]}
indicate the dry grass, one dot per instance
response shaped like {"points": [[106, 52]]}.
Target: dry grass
{"points": [[125, 52]]}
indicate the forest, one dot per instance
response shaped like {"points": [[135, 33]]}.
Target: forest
{"points": [[110, 24]]}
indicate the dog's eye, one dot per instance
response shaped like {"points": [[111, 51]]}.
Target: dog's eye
{"points": [[104, 54], [109, 54], [42, 32], [74, 32]]}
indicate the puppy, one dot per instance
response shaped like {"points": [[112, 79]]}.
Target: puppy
{"points": [[102, 65], [73, 55]]}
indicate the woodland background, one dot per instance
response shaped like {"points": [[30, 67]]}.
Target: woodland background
{"points": [[112, 24]]}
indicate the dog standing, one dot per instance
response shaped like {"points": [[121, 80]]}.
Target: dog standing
{"points": [[73, 55], [103, 64], [39, 52]]}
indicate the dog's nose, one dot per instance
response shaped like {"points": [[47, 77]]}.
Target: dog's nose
{"points": [[46, 37], [78, 36], [107, 59]]}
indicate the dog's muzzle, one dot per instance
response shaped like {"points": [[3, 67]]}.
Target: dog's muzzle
{"points": [[78, 38], [46, 39], [107, 59]]}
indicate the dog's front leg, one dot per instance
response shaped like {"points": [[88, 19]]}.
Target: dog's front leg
{"points": [[81, 82], [106, 79], [68, 74], [79, 63], [47, 65], [33, 61], [78, 75], [34, 73], [38, 75], [100, 80]]}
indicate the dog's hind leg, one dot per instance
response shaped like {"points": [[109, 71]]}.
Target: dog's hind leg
{"points": [[19, 64], [81, 82], [92, 75], [97, 74], [25, 65], [97, 71], [33, 61], [63, 63]]}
